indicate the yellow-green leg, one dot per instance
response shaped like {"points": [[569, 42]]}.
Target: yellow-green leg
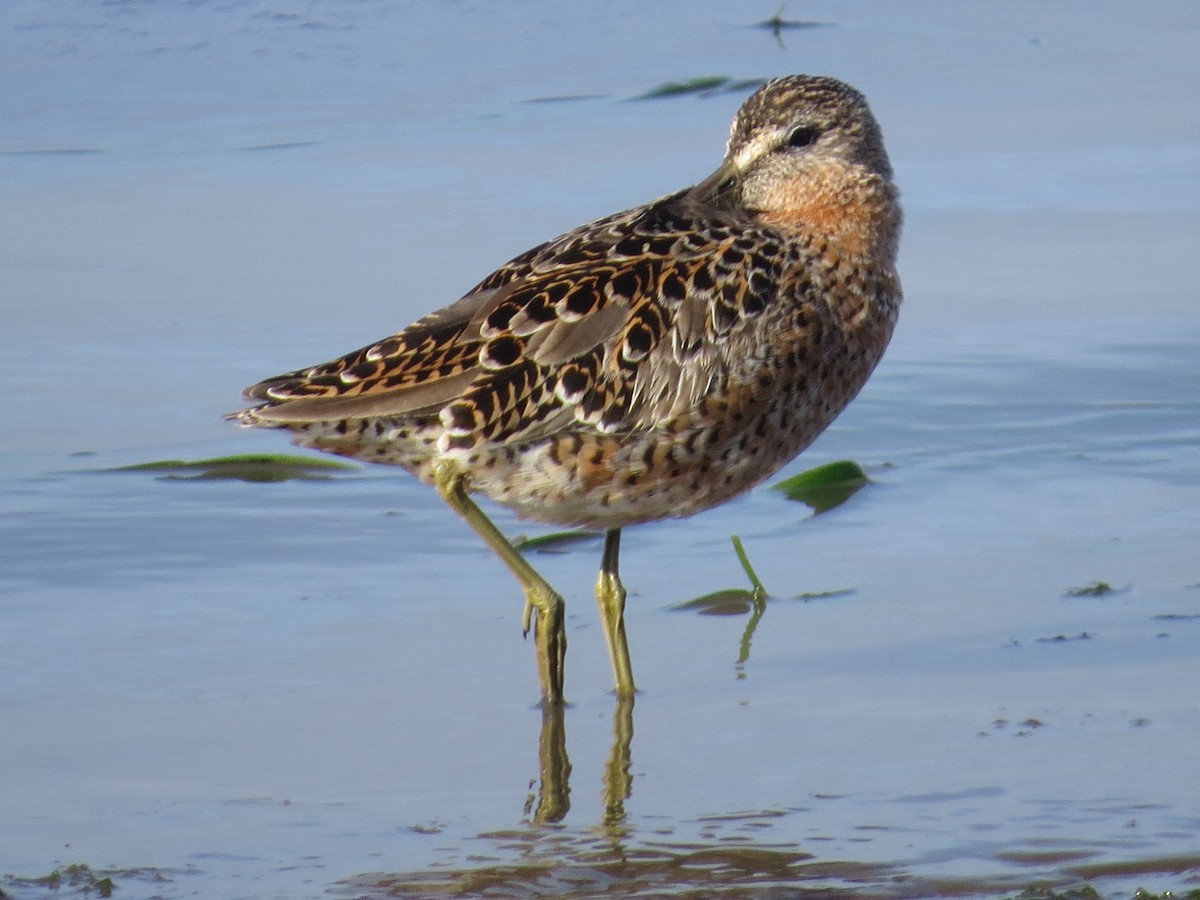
{"points": [[549, 628], [610, 594]]}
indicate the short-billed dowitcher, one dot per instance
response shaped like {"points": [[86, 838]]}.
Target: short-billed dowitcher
{"points": [[649, 364]]}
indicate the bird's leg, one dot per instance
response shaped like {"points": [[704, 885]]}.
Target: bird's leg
{"points": [[610, 594], [549, 629]]}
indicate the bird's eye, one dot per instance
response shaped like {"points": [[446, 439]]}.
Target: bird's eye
{"points": [[802, 136]]}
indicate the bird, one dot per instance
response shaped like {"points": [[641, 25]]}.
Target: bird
{"points": [[647, 365]]}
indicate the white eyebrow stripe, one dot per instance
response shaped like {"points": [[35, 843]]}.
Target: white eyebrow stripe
{"points": [[756, 148]]}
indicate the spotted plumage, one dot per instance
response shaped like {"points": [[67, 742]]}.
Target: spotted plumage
{"points": [[649, 364]]}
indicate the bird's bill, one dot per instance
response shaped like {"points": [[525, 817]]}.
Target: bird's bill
{"points": [[721, 188]]}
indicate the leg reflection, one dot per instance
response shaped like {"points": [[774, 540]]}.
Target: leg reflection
{"points": [[618, 782], [553, 798]]}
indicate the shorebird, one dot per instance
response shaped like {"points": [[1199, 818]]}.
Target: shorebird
{"points": [[650, 364]]}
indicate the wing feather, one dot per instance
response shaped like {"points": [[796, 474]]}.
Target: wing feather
{"points": [[592, 327]]}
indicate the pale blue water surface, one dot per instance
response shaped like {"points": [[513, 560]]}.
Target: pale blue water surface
{"points": [[232, 689]]}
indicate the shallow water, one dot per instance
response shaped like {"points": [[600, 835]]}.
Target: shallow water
{"points": [[319, 687]]}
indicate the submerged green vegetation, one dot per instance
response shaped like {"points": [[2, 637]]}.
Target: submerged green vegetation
{"points": [[740, 601], [77, 878], [243, 467], [732, 601], [716, 870], [703, 85], [555, 542], [1095, 589], [825, 487], [1039, 891], [778, 23]]}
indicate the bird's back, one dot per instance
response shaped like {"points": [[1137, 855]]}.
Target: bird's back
{"points": [[652, 363]]}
